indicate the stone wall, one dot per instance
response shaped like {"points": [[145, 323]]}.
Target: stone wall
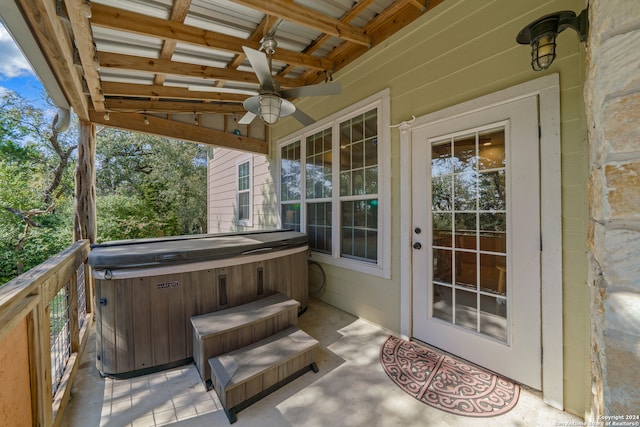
{"points": [[612, 98]]}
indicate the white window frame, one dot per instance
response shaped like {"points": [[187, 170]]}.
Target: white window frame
{"points": [[241, 161], [381, 101]]}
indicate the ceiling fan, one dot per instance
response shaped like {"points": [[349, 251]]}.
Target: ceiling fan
{"points": [[270, 102]]}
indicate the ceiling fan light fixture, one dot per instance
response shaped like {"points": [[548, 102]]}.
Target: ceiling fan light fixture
{"points": [[269, 108]]}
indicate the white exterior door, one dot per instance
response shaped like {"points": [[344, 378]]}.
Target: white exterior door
{"points": [[476, 238]]}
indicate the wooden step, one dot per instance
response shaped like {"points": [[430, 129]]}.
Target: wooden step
{"points": [[246, 375], [227, 330]]}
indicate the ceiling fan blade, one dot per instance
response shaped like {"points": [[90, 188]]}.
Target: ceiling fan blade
{"points": [[222, 90], [302, 117], [247, 118], [260, 66], [323, 89]]}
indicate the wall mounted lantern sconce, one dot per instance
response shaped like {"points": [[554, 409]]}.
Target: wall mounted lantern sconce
{"points": [[541, 35]]}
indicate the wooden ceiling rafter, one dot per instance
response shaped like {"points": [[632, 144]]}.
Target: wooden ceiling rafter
{"points": [[290, 11], [351, 14], [389, 21], [179, 130], [166, 66], [132, 22], [169, 92], [79, 13], [179, 12], [105, 79], [142, 106], [57, 47]]}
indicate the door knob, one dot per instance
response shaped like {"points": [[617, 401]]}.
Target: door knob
{"points": [[417, 245]]}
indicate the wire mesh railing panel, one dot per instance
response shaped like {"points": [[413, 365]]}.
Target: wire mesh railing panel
{"points": [[60, 336], [82, 296]]}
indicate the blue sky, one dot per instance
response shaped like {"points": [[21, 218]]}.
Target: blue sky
{"points": [[15, 72]]}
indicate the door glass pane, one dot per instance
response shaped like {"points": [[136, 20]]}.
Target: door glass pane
{"points": [[493, 277], [466, 269], [493, 316], [441, 223], [492, 189], [465, 230], [493, 232], [466, 309], [469, 231], [442, 265], [442, 303]]}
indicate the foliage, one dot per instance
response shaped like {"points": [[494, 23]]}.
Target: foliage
{"points": [[146, 186], [37, 186], [149, 186]]}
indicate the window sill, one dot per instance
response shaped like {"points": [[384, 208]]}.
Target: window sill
{"points": [[350, 264]]}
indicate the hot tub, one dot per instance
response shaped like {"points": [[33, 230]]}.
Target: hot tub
{"points": [[146, 290]]}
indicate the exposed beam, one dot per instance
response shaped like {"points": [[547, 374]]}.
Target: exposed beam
{"points": [[388, 22], [420, 4], [155, 91], [306, 17], [57, 48], [351, 14], [134, 105], [263, 27], [78, 12], [110, 17], [179, 12], [181, 131], [130, 62], [151, 65]]}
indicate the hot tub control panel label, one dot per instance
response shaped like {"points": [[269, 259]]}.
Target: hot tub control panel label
{"points": [[168, 285]]}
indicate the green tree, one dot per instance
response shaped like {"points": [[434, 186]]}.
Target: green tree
{"points": [[36, 190], [149, 186]]}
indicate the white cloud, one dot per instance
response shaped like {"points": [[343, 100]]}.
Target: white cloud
{"points": [[13, 63]]}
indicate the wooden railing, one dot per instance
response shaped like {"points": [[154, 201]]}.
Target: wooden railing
{"points": [[30, 319]]}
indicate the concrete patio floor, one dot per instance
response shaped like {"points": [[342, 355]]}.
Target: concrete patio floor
{"points": [[351, 389]]}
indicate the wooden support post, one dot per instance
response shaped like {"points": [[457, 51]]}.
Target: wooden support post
{"points": [[84, 224]]}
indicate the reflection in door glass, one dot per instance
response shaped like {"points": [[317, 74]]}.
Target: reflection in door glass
{"points": [[469, 234]]}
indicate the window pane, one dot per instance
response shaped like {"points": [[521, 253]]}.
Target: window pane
{"points": [[359, 232], [318, 165], [291, 217], [319, 226], [290, 172], [358, 158], [243, 206], [243, 176]]}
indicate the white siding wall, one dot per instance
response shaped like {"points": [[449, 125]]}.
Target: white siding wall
{"points": [[222, 175]]}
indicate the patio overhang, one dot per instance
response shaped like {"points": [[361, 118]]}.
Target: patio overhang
{"points": [[129, 65]]}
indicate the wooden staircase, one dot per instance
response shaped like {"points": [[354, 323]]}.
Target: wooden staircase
{"points": [[249, 351]]}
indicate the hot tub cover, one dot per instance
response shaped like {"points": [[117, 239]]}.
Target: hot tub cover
{"points": [[138, 253]]}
